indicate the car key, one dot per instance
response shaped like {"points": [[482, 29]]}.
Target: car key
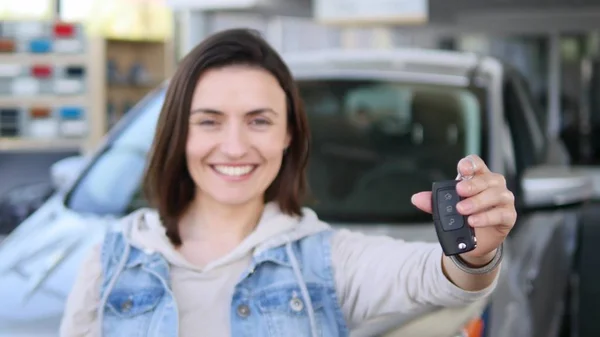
{"points": [[453, 231]]}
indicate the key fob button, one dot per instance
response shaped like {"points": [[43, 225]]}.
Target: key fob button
{"points": [[452, 222], [447, 200]]}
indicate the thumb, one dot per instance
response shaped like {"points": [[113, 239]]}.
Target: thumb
{"points": [[422, 201]]}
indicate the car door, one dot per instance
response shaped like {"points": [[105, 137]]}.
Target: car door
{"points": [[542, 242]]}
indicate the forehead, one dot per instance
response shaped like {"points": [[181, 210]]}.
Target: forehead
{"points": [[237, 88]]}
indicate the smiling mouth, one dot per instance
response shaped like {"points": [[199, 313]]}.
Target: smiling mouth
{"points": [[237, 171]]}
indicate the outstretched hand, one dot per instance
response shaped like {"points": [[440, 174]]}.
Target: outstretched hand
{"points": [[488, 203]]}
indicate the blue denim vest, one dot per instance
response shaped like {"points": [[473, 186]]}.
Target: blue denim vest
{"points": [[287, 291]]}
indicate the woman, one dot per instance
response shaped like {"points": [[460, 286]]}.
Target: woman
{"points": [[230, 251]]}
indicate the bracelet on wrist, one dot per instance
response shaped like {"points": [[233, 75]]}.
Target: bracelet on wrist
{"points": [[485, 269]]}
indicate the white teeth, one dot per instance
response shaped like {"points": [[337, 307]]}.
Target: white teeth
{"points": [[234, 171]]}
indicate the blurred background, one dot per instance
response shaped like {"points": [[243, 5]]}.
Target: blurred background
{"points": [[77, 77], [113, 52]]}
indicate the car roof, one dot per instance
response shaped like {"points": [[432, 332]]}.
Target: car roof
{"points": [[443, 66], [414, 60], [404, 64]]}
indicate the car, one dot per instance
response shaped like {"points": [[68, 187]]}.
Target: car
{"points": [[384, 124], [19, 202]]}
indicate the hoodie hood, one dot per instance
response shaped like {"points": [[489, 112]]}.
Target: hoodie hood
{"points": [[144, 230]]}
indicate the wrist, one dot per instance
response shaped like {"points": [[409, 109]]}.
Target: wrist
{"points": [[478, 264], [478, 261]]}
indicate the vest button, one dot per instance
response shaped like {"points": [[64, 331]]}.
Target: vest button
{"points": [[126, 306], [243, 310], [296, 304]]}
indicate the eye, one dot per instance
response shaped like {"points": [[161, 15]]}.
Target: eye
{"points": [[206, 122], [260, 121]]}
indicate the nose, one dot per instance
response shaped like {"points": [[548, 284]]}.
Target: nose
{"points": [[235, 141]]}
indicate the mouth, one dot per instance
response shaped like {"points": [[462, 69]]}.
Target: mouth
{"points": [[235, 172]]}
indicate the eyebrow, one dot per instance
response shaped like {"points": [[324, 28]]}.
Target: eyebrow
{"points": [[249, 113]]}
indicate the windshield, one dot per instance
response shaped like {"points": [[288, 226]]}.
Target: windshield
{"points": [[111, 184], [374, 144]]}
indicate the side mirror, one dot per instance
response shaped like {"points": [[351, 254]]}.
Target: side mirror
{"points": [[552, 186], [594, 173], [64, 172]]}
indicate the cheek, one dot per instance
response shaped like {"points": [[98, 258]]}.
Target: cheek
{"points": [[272, 147], [197, 147]]}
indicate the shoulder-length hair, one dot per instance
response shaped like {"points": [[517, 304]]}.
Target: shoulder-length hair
{"points": [[168, 185]]}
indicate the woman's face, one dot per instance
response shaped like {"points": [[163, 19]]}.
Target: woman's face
{"points": [[237, 134]]}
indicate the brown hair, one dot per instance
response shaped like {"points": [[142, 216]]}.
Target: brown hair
{"points": [[168, 184]]}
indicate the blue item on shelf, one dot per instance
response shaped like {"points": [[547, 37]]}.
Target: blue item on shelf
{"points": [[71, 112], [40, 46]]}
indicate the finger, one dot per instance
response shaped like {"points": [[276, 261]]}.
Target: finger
{"points": [[478, 184], [499, 216], [491, 197], [422, 201], [471, 165]]}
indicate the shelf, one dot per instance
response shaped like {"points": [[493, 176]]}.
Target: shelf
{"points": [[60, 78], [141, 86], [102, 60], [43, 100], [54, 58], [19, 144], [149, 62]]}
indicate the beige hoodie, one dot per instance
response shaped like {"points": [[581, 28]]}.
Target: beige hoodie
{"points": [[375, 276]]}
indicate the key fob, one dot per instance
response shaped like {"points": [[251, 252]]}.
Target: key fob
{"points": [[453, 231]]}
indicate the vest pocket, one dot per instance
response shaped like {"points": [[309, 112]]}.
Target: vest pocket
{"points": [[130, 303], [286, 312]]}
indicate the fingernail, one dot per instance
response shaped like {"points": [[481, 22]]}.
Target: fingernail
{"points": [[412, 199], [471, 166], [465, 170]]}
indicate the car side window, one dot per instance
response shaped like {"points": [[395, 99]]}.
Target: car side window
{"points": [[536, 116], [508, 156], [525, 131]]}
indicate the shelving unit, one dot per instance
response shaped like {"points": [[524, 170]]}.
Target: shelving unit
{"points": [[47, 98], [61, 89], [133, 69]]}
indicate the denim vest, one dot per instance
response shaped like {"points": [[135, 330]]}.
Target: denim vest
{"points": [[287, 291]]}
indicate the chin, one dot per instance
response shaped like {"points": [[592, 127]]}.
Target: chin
{"points": [[234, 200]]}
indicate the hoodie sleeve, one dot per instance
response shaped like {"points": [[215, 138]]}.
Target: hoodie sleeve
{"points": [[79, 317], [377, 276]]}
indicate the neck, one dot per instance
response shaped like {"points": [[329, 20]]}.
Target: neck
{"points": [[209, 220]]}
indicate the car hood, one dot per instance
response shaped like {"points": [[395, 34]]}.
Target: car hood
{"points": [[38, 265]]}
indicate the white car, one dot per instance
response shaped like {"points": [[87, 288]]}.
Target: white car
{"points": [[385, 124]]}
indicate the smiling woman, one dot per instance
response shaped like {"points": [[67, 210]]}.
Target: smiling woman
{"points": [[228, 249]]}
